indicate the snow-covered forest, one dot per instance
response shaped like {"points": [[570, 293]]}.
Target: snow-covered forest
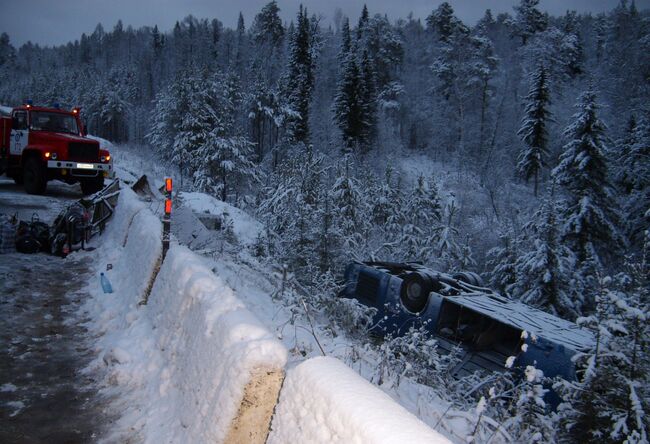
{"points": [[517, 147]]}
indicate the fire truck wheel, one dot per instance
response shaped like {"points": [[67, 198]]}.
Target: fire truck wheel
{"points": [[34, 176], [91, 186]]}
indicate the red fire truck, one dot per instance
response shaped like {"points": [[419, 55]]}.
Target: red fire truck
{"points": [[39, 144]]}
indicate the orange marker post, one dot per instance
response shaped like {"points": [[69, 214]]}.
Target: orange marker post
{"points": [[167, 216]]}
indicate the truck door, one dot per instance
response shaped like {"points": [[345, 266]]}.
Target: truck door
{"points": [[19, 133]]}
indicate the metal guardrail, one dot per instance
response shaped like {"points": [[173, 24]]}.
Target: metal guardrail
{"points": [[102, 206]]}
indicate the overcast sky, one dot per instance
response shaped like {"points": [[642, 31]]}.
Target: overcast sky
{"points": [[53, 22]]}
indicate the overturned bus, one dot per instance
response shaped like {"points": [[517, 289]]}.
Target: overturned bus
{"points": [[458, 311]]}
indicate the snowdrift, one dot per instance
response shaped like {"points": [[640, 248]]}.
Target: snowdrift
{"points": [[182, 366], [195, 365], [212, 346], [324, 401]]}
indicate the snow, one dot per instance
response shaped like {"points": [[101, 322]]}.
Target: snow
{"points": [[103, 143], [8, 387], [245, 227], [5, 110], [176, 367], [480, 407], [323, 401]]}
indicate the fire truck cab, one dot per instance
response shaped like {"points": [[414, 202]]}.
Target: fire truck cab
{"points": [[39, 144]]}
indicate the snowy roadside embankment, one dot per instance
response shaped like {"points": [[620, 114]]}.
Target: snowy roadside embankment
{"points": [[211, 344], [195, 365], [324, 401], [177, 368]]}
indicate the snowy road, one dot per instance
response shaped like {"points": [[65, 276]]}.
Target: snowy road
{"points": [[43, 396], [14, 200]]}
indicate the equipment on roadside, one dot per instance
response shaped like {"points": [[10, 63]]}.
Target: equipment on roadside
{"points": [[32, 237], [7, 234]]}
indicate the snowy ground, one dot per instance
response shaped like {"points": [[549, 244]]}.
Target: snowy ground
{"points": [[58, 195], [259, 285]]}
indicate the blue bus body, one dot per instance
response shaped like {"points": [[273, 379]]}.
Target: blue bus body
{"points": [[458, 310]]}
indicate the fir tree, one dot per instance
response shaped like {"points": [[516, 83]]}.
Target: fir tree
{"points": [[529, 20], [216, 29], [502, 261], [623, 176], [349, 204], [363, 22], [635, 162], [346, 40], [348, 105], [442, 247], [7, 51], [300, 77], [156, 42], [610, 402], [368, 102], [591, 216], [533, 131], [267, 26], [443, 22], [530, 422], [543, 272]]}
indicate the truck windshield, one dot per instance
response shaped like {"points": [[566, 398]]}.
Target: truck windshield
{"points": [[56, 122]]}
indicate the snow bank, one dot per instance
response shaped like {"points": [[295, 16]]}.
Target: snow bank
{"points": [[245, 227], [128, 205], [211, 345], [323, 401], [179, 367]]}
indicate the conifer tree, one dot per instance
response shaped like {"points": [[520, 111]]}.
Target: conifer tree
{"points": [[622, 176], [300, 77], [346, 40], [7, 51], [350, 208], [348, 106], [530, 422], [635, 162], [216, 29], [443, 22], [368, 101], [533, 131], [363, 22], [543, 272], [502, 261], [267, 26], [529, 20], [610, 402], [591, 215]]}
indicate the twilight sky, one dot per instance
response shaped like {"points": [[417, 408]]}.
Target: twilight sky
{"points": [[53, 22]]}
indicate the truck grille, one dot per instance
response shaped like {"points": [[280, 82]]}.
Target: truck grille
{"points": [[367, 287], [83, 152]]}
